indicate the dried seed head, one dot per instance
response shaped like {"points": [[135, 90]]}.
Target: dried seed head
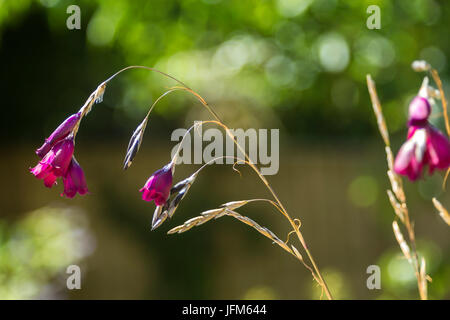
{"points": [[420, 66], [187, 225], [134, 144], [442, 211], [283, 245], [297, 253], [389, 158], [401, 241], [220, 215], [183, 183], [194, 220], [208, 215], [220, 212], [99, 93], [160, 220], [173, 204], [156, 214], [398, 209], [95, 97], [177, 229], [159, 216], [131, 153], [211, 213], [397, 185], [378, 111], [263, 230], [234, 204], [423, 285], [178, 192]]}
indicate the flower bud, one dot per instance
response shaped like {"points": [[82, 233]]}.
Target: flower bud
{"points": [[60, 133], [419, 111]]}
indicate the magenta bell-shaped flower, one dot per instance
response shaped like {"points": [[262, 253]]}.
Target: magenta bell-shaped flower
{"points": [[60, 133], [419, 111], [74, 180], [55, 163], [424, 146], [438, 150], [158, 186]]}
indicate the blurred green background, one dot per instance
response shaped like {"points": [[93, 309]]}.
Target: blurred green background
{"points": [[297, 65]]}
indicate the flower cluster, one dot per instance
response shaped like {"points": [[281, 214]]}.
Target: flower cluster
{"points": [[57, 160], [425, 145]]}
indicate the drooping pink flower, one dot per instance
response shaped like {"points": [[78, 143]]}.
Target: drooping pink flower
{"points": [[424, 146], [74, 180], [419, 111], [55, 162], [158, 186], [438, 150], [60, 133]]}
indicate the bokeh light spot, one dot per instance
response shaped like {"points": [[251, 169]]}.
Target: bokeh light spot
{"points": [[400, 270], [49, 3], [100, 31], [292, 8], [260, 293], [281, 71], [334, 53], [363, 191]]}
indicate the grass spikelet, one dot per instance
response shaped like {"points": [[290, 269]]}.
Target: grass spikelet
{"points": [[220, 212], [396, 185], [423, 278], [399, 210], [297, 253], [442, 211], [377, 110], [234, 204], [196, 221], [401, 241], [389, 158]]}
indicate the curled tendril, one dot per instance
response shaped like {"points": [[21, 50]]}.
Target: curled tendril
{"points": [[297, 221], [237, 170], [288, 236]]}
